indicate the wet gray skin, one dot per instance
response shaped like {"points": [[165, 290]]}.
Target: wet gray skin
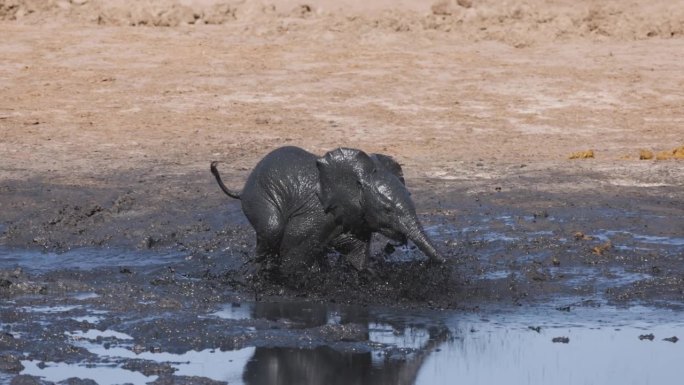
{"points": [[301, 205]]}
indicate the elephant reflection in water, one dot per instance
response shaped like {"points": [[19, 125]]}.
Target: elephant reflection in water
{"points": [[325, 365]]}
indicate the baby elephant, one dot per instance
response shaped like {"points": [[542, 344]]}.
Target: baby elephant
{"points": [[300, 205]]}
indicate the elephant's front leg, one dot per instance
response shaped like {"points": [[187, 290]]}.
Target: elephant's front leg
{"points": [[305, 240], [355, 249]]}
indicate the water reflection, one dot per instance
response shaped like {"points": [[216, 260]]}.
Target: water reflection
{"points": [[389, 351], [506, 348], [385, 346], [325, 365]]}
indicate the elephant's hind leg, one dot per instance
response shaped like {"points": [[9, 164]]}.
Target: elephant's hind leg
{"points": [[268, 225]]}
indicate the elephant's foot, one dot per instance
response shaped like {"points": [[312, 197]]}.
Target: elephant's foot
{"points": [[355, 250], [358, 256]]}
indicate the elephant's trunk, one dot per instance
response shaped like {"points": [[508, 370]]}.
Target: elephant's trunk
{"points": [[417, 235]]}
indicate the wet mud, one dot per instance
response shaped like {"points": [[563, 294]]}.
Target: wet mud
{"points": [[141, 287]]}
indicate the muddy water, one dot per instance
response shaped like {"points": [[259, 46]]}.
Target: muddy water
{"points": [[536, 345], [561, 298]]}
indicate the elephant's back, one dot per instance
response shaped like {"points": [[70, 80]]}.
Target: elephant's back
{"points": [[286, 174]]}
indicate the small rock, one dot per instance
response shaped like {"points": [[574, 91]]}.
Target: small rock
{"points": [[77, 381], [302, 10], [580, 236], [672, 339], [649, 337], [541, 214], [535, 328], [560, 340]]}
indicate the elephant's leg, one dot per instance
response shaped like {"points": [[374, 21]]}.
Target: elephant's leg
{"points": [[264, 251], [355, 250], [268, 225], [304, 240]]}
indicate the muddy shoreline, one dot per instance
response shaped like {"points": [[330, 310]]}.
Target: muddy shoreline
{"points": [[89, 261], [539, 235]]}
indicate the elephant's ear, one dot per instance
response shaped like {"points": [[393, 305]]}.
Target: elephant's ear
{"points": [[342, 174], [388, 163]]}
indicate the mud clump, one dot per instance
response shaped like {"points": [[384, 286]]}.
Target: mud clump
{"points": [[450, 7], [388, 283], [645, 155], [602, 248], [676, 153], [9, 363], [588, 154], [15, 282]]}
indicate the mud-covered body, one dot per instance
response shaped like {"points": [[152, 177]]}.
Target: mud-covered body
{"points": [[300, 205]]}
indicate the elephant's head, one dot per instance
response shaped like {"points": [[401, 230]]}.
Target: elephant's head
{"points": [[367, 193]]}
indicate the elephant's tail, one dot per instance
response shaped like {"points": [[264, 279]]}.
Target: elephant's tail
{"points": [[229, 192]]}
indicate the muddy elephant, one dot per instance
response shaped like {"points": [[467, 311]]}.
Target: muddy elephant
{"points": [[300, 205]]}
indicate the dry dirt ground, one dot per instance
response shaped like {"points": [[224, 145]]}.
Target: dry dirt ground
{"points": [[87, 94]]}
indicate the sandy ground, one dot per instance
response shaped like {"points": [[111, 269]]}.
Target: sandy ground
{"points": [[82, 100]]}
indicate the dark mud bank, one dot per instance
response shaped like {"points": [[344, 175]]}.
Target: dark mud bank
{"points": [[142, 286], [511, 244]]}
